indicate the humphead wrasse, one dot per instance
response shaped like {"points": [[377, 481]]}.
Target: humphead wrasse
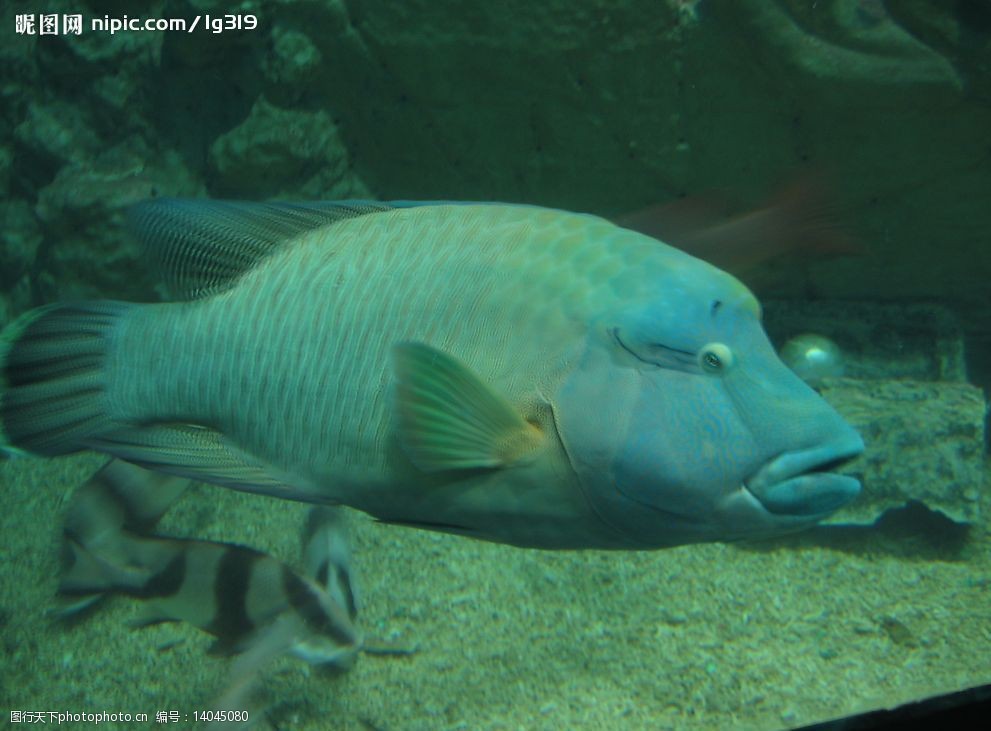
{"points": [[512, 373]]}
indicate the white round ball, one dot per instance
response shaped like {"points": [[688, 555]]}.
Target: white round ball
{"points": [[813, 357]]}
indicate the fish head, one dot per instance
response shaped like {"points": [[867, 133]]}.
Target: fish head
{"points": [[683, 425]]}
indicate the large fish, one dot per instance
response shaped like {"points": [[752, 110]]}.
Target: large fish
{"points": [[513, 373]]}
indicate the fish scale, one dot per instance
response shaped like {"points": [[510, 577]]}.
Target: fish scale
{"points": [[260, 330]]}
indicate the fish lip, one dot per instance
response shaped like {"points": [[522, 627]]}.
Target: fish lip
{"points": [[802, 482]]}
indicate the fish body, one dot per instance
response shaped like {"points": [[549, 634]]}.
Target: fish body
{"points": [[513, 373], [245, 598]]}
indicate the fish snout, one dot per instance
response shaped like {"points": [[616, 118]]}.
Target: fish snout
{"points": [[803, 482]]}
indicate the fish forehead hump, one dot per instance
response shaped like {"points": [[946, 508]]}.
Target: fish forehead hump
{"points": [[507, 289]]}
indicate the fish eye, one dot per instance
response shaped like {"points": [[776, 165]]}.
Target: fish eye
{"points": [[715, 358]]}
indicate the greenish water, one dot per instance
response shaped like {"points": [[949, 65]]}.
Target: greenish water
{"points": [[589, 105]]}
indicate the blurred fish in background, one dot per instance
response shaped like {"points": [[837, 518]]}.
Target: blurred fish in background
{"points": [[800, 219]]}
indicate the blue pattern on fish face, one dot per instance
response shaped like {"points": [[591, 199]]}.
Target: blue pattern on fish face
{"points": [[683, 425]]}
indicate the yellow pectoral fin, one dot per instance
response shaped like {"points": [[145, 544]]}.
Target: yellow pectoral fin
{"points": [[450, 419]]}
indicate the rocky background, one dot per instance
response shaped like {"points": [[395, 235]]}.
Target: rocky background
{"points": [[592, 105]]}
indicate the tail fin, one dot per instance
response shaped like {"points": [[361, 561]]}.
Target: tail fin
{"points": [[51, 377], [100, 553], [120, 496], [121, 562], [89, 573]]}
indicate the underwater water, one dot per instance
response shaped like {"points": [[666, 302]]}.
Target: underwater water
{"points": [[832, 155]]}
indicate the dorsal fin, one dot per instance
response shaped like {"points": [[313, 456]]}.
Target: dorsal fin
{"points": [[203, 246]]}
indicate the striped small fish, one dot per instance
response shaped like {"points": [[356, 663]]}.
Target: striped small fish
{"points": [[243, 597]]}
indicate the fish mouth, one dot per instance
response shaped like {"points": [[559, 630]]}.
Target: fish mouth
{"points": [[803, 482]]}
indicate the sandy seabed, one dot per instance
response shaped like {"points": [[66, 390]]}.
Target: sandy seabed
{"points": [[778, 634]]}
